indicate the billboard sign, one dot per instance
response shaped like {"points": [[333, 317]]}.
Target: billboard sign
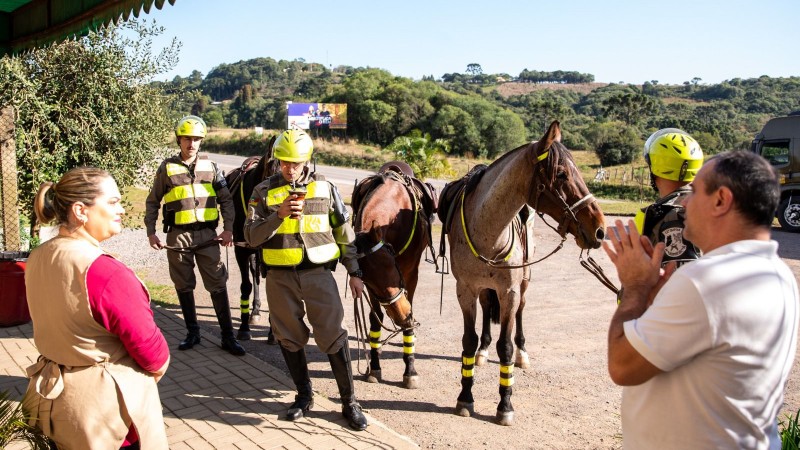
{"points": [[317, 116]]}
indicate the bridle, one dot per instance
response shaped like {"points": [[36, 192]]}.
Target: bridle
{"points": [[386, 301], [568, 217], [360, 321]]}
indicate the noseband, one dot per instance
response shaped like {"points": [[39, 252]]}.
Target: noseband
{"points": [[569, 212], [569, 216]]}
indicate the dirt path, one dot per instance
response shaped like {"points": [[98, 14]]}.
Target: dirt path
{"points": [[564, 401]]}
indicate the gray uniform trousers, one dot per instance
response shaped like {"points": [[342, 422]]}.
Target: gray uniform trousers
{"points": [[293, 293]]}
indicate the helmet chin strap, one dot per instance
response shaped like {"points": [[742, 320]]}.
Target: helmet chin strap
{"points": [[653, 182]]}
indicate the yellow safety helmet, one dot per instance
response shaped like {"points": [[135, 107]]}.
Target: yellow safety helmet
{"points": [[190, 126], [673, 154], [293, 146]]}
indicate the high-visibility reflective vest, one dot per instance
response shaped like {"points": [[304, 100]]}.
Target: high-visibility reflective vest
{"points": [[311, 234], [192, 197]]}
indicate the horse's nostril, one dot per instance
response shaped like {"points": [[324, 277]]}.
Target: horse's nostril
{"points": [[600, 234]]}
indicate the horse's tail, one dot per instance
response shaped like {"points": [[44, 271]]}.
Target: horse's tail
{"points": [[494, 305]]}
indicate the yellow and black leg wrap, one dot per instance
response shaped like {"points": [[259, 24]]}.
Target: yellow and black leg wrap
{"points": [[467, 366], [507, 375], [244, 306], [408, 344], [375, 340]]}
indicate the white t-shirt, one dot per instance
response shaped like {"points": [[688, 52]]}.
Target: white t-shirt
{"points": [[724, 331]]}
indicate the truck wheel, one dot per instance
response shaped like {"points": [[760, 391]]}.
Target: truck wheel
{"points": [[789, 216]]}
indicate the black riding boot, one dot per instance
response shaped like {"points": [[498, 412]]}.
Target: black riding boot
{"points": [[351, 410], [270, 335], [298, 367], [223, 309], [244, 328], [186, 300]]}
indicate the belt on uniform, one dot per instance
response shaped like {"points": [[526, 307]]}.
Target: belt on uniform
{"points": [[305, 265], [197, 226]]}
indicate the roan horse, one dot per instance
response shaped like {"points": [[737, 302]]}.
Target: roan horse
{"points": [[488, 242], [241, 182], [392, 213]]}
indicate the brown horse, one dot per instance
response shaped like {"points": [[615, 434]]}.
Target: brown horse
{"points": [[392, 220], [489, 246]]}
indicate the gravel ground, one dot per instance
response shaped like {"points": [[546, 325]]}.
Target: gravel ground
{"points": [[564, 401]]}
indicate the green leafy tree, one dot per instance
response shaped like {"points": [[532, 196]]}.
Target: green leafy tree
{"points": [[458, 127], [474, 69], [631, 108], [614, 142], [426, 156], [88, 103]]}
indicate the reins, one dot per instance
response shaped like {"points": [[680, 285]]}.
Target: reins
{"points": [[192, 248], [594, 268], [539, 189]]}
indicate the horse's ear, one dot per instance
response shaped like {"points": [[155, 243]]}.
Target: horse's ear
{"points": [[553, 134], [269, 146]]}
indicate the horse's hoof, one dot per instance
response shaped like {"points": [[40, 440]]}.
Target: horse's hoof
{"points": [[373, 376], [481, 357], [523, 362], [505, 418], [465, 409], [254, 319], [411, 382]]}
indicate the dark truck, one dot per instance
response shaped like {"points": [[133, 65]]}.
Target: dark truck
{"points": [[779, 143]]}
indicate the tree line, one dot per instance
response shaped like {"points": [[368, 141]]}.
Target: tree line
{"points": [[467, 111], [93, 101]]}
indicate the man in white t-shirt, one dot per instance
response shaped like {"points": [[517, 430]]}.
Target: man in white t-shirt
{"points": [[705, 350]]}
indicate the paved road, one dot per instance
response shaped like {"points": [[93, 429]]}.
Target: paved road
{"points": [[343, 177]]}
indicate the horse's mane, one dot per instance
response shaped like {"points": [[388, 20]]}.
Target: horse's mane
{"points": [[557, 152], [361, 192]]}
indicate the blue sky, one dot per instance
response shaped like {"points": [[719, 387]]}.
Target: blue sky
{"points": [[632, 41]]}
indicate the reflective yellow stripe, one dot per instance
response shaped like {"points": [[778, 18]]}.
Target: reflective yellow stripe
{"points": [[323, 253], [283, 257], [408, 344], [639, 221], [197, 215], [175, 169], [307, 224], [199, 190], [466, 234], [467, 366], [507, 381], [543, 156], [244, 306], [413, 225], [374, 339], [507, 375]]}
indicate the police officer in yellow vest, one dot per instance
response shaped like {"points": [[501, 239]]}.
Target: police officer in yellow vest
{"points": [[301, 224], [192, 187], [674, 159]]}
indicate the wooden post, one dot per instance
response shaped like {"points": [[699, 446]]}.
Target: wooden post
{"points": [[8, 172]]}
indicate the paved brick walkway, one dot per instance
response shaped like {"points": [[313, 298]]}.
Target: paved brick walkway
{"points": [[220, 401]]}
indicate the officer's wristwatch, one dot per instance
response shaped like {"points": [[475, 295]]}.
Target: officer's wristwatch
{"points": [[358, 273]]}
